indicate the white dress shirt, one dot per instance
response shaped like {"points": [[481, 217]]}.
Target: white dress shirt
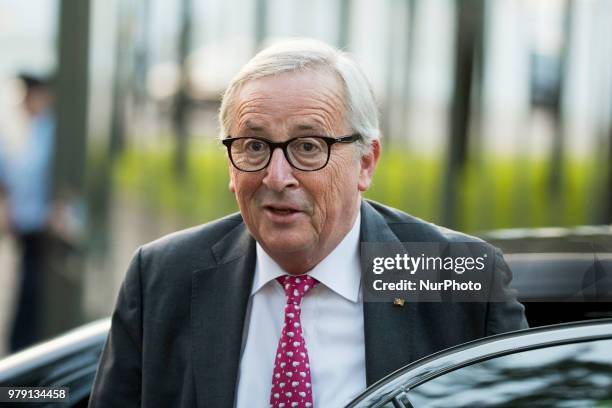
{"points": [[332, 323]]}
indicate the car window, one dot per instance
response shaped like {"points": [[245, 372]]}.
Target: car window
{"points": [[571, 375]]}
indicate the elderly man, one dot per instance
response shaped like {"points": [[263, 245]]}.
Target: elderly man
{"points": [[265, 307]]}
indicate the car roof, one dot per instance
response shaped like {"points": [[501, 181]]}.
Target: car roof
{"points": [[482, 349], [84, 337]]}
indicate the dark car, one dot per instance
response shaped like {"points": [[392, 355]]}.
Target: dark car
{"points": [[566, 365], [560, 274], [66, 361]]}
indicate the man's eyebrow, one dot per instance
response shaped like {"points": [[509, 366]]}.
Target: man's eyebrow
{"points": [[254, 127]]}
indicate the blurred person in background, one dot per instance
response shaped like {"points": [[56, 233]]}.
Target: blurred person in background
{"points": [[25, 168]]}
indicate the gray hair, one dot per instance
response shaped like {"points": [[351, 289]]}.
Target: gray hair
{"points": [[300, 55]]}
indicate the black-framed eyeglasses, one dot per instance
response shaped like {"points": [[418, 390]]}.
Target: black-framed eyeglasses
{"points": [[309, 153]]}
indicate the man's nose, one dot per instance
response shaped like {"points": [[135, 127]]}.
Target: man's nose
{"points": [[279, 173]]}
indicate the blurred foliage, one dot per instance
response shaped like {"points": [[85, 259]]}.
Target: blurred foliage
{"points": [[499, 192], [201, 195]]}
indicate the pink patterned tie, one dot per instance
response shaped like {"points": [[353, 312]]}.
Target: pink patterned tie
{"points": [[291, 385]]}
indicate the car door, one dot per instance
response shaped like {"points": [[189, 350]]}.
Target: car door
{"points": [[573, 375]]}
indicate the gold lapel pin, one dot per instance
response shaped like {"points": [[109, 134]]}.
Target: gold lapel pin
{"points": [[399, 302]]}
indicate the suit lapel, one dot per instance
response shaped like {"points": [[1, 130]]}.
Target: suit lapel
{"points": [[219, 300], [388, 329]]}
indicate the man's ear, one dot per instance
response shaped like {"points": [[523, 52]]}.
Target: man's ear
{"points": [[368, 165]]}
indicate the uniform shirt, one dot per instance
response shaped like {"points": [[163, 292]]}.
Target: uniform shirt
{"points": [[26, 175]]}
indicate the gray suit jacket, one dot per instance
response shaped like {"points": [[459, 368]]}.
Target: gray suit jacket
{"points": [[177, 327]]}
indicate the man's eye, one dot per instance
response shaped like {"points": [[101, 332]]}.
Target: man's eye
{"points": [[306, 146], [255, 146]]}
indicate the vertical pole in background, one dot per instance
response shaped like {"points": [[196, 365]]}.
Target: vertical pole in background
{"points": [[181, 101], [469, 22], [344, 26], [100, 191], [121, 82], [606, 9], [63, 284], [409, 43], [389, 108], [556, 178], [72, 92], [478, 45], [261, 23], [141, 53], [608, 191], [600, 69]]}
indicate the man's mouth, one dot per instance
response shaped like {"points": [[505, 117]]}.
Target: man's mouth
{"points": [[281, 210]]}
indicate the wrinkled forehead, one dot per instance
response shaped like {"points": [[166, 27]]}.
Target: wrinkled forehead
{"points": [[302, 99]]}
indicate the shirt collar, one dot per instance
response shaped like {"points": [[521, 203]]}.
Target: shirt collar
{"points": [[339, 271]]}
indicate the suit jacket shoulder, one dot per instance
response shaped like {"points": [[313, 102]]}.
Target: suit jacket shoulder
{"points": [[191, 248], [408, 228], [172, 316]]}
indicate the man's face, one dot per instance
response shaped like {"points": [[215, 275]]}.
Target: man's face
{"points": [[296, 214]]}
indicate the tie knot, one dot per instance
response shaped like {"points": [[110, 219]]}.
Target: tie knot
{"points": [[296, 286]]}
